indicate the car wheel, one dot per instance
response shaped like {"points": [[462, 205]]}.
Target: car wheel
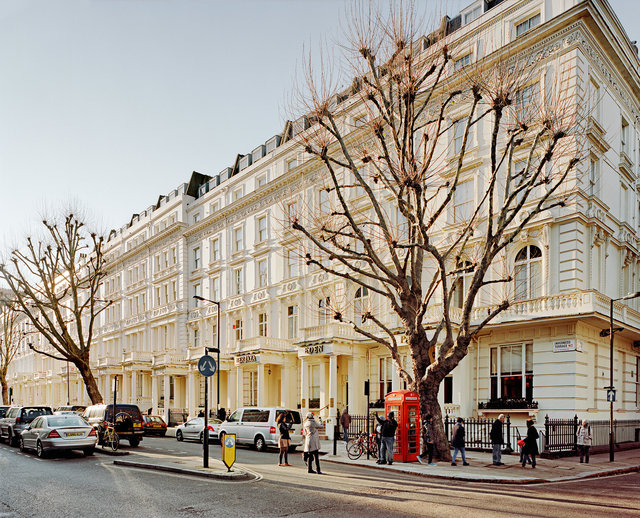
{"points": [[221, 437], [40, 450], [163, 434], [134, 442], [12, 440], [179, 436], [259, 443], [88, 452], [201, 438], [21, 444]]}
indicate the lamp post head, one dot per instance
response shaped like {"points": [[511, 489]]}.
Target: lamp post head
{"points": [[631, 296]]}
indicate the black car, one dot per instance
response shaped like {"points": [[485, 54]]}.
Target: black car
{"points": [[17, 419], [128, 421]]}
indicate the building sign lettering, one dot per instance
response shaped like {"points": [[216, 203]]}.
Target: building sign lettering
{"points": [[314, 349], [247, 358]]}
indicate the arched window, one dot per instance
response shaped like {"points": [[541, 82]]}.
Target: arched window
{"points": [[464, 271], [528, 273], [361, 302]]}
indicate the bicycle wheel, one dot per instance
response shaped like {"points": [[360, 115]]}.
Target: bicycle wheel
{"points": [[373, 448], [354, 450], [113, 441]]}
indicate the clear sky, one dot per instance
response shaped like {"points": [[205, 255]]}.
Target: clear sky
{"points": [[110, 103]]}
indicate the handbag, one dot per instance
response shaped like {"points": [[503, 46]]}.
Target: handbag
{"points": [[521, 443]]}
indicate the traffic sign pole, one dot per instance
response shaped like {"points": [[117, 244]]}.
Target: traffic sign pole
{"points": [[207, 367]]}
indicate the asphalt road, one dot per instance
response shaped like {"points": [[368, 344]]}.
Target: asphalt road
{"points": [[73, 485]]}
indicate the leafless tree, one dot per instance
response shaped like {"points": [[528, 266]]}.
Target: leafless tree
{"points": [[397, 150], [10, 341], [55, 283]]}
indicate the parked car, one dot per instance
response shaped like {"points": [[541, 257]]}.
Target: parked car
{"points": [[128, 422], [49, 433], [193, 428], [257, 426], [17, 419], [76, 409], [154, 425], [3, 410]]}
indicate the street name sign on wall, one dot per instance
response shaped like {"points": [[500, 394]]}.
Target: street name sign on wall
{"points": [[207, 366], [560, 346], [229, 450]]}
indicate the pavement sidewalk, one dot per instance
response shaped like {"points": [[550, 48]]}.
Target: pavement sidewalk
{"points": [[481, 468]]}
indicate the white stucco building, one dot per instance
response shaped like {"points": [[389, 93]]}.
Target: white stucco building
{"points": [[222, 237]]}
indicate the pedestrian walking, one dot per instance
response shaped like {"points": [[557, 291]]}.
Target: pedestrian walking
{"points": [[427, 429], [388, 428], [222, 414], [584, 440], [530, 449], [284, 425], [497, 440], [201, 413], [458, 442], [312, 442], [345, 421]]}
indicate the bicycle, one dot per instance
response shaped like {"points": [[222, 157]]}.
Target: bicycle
{"points": [[362, 444], [110, 437]]}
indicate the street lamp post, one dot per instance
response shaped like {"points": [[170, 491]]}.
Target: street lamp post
{"points": [[198, 297], [611, 332]]}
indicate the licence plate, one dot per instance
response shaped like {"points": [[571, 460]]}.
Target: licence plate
{"points": [[137, 425], [75, 434]]}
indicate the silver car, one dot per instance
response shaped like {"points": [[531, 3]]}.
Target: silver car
{"points": [[192, 429], [49, 433]]}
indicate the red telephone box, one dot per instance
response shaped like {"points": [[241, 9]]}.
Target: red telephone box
{"points": [[406, 409]]}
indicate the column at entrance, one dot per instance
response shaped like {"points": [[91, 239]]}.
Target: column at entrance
{"points": [[167, 395], [239, 387], [357, 399], [191, 394], [333, 395], [287, 383], [126, 388], [262, 397], [232, 397], [134, 388], [154, 392], [304, 386]]}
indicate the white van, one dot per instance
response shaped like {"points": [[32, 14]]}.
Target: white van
{"points": [[257, 426]]}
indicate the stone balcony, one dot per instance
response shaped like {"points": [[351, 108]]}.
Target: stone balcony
{"points": [[168, 358]]}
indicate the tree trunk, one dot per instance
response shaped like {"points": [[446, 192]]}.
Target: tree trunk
{"points": [[89, 381], [428, 391], [5, 390]]}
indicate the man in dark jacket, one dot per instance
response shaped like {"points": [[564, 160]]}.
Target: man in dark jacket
{"points": [[458, 442], [389, 426], [497, 440]]}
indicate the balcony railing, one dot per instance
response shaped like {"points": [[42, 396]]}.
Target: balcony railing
{"points": [[508, 404], [553, 306], [264, 342], [136, 356]]}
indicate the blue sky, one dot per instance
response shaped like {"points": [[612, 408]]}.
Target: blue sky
{"points": [[110, 103]]}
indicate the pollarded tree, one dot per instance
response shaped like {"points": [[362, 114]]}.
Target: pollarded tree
{"points": [[430, 174], [10, 340], [55, 283]]}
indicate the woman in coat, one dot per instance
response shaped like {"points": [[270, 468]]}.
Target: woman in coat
{"points": [[312, 442], [284, 425], [530, 449], [583, 436]]}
